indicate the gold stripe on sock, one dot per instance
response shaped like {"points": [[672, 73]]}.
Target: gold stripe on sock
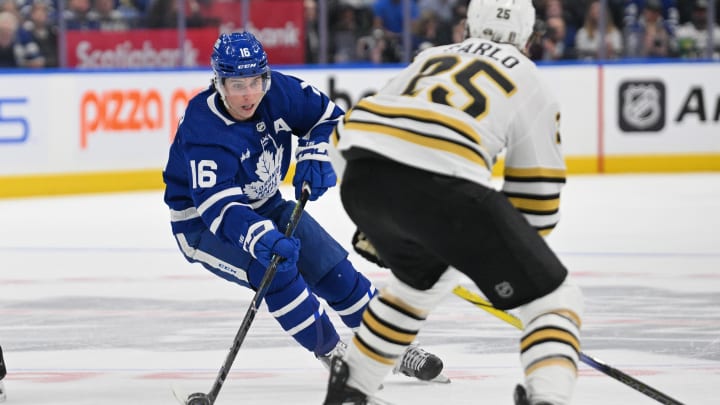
{"points": [[369, 353], [552, 362]]}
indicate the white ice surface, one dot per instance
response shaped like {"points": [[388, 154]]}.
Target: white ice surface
{"points": [[97, 306]]}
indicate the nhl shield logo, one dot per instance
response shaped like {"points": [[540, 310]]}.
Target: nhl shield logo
{"points": [[641, 106], [504, 289]]}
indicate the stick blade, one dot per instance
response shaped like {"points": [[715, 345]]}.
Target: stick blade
{"points": [[180, 394], [184, 397]]}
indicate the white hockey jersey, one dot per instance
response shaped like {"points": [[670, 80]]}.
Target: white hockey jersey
{"points": [[455, 109]]}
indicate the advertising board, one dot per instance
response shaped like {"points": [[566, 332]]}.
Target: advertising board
{"points": [[57, 128], [662, 109], [25, 130], [278, 24]]}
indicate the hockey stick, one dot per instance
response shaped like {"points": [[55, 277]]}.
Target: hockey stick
{"points": [[200, 398], [480, 302]]}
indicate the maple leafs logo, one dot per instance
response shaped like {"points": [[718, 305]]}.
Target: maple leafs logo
{"points": [[268, 171]]}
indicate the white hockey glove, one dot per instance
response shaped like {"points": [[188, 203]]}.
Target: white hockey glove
{"points": [[364, 248]]}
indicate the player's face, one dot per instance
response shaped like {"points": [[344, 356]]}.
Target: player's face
{"points": [[242, 95]]}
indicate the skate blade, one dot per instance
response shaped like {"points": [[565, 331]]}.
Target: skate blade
{"points": [[378, 401], [441, 379]]}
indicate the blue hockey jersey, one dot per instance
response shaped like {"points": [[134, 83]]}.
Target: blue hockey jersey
{"points": [[221, 173]]}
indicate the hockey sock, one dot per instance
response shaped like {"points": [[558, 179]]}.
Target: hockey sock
{"points": [[301, 315], [550, 344], [347, 291], [391, 323]]}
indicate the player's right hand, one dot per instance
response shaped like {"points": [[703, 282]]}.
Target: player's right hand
{"points": [[275, 243]]}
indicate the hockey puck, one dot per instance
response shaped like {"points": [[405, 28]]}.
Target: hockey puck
{"points": [[198, 398]]}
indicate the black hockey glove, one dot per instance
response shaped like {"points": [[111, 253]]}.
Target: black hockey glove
{"points": [[364, 248]]}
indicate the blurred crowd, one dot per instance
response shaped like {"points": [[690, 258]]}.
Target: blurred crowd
{"points": [[371, 30], [361, 31], [29, 29]]}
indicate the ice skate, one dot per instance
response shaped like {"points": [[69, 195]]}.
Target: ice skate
{"points": [[338, 350], [522, 399], [418, 363], [338, 392], [3, 372]]}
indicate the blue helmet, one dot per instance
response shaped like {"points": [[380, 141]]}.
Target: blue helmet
{"points": [[239, 54]]}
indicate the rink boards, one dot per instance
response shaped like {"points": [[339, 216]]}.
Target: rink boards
{"points": [[68, 132]]}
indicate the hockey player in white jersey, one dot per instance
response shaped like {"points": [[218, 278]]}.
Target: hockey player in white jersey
{"points": [[417, 164]]}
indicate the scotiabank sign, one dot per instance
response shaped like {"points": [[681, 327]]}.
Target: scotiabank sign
{"points": [[278, 24], [139, 48]]}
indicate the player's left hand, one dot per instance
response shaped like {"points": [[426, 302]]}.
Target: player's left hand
{"points": [[319, 175]]}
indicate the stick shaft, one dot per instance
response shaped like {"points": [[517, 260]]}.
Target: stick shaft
{"points": [[631, 382], [257, 300]]}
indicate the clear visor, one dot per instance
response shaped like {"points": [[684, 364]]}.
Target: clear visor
{"points": [[244, 85]]}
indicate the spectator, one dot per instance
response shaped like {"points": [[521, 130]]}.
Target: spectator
{"points": [[693, 35], [553, 42], [650, 35], [429, 31], [457, 29], [686, 9], [345, 36], [312, 34], [388, 26], [457, 23], [388, 16], [587, 40], [363, 10], [377, 48], [78, 16], [552, 8], [142, 6], [40, 30], [14, 51], [617, 8], [459, 11], [574, 13], [108, 17], [646, 32], [669, 9], [552, 12], [164, 14], [8, 29], [12, 7], [130, 12], [443, 9]]}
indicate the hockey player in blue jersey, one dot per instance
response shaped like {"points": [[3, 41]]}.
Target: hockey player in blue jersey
{"points": [[229, 156]]}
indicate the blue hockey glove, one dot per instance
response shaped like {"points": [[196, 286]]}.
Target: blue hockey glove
{"points": [[274, 242], [314, 167]]}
